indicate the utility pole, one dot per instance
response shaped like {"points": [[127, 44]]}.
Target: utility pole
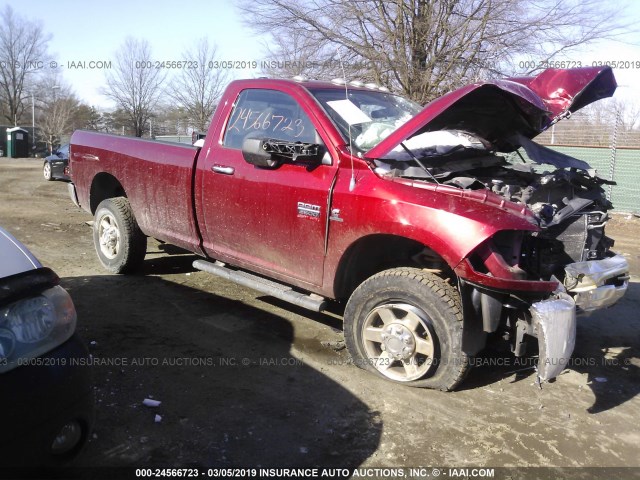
{"points": [[33, 122]]}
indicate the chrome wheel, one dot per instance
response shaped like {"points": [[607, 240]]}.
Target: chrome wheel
{"points": [[109, 236], [46, 171], [399, 341]]}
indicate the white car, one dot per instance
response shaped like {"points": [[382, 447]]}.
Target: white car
{"points": [[46, 403]]}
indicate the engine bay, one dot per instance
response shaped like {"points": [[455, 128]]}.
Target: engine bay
{"points": [[467, 162], [565, 195]]}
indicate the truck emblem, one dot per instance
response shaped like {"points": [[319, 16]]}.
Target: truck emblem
{"points": [[308, 210]]}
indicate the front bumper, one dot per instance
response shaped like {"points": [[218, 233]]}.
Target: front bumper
{"points": [[596, 284], [590, 285], [554, 323], [38, 400]]}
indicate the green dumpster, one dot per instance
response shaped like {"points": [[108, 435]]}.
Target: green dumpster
{"points": [[17, 142]]}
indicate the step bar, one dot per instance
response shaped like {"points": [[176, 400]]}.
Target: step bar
{"points": [[269, 287]]}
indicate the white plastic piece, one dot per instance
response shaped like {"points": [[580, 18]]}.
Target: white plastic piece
{"points": [[148, 402], [158, 418], [349, 111], [555, 322], [439, 142]]}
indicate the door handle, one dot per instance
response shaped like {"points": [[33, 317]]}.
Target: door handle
{"points": [[222, 169]]}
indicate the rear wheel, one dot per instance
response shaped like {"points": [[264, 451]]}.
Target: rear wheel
{"points": [[119, 242], [46, 171], [405, 325]]}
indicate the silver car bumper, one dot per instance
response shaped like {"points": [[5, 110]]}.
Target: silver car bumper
{"points": [[590, 285], [554, 323], [597, 284]]}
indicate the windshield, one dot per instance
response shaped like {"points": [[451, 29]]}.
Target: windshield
{"points": [[364, 117]]}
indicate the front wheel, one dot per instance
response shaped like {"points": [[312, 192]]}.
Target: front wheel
{"points": [[46, 171], [119, 242], [405, 325]]}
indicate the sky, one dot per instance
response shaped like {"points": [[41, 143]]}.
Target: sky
{"points": [[87, 32], [92, 32]]}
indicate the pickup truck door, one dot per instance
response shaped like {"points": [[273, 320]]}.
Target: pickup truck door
{"points": [[271, 220]]}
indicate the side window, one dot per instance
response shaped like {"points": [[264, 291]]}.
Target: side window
{"points": [[267, 114]]}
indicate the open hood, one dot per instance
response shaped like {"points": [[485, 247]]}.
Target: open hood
{"points": [[500, 111]]}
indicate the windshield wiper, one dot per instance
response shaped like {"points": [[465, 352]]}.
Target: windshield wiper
{"points": [[419, 162]]}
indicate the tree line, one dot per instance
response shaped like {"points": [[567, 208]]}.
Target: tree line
{"points": [[418, 48], [147, 101]]}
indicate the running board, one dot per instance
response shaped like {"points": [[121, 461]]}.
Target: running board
{"points": [[274, 289]]}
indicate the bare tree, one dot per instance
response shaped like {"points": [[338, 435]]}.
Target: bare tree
{"points": [[23, 53], [56, 107], [198, 87], [297, 54], [424, 48], [133, 84], [56, 121]]}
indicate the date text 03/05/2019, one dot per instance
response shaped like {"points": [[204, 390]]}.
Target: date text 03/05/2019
{"points": [[364, 472]]}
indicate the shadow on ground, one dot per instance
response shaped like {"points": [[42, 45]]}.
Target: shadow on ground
{"points": [[231, 393]]}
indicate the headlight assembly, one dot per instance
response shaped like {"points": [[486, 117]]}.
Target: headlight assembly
{"points": [[35, 325]]}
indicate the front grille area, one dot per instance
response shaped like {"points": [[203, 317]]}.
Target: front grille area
{"points": [[579, 238], [573, 235]]}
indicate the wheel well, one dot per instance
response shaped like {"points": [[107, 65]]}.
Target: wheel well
{"points": [[104, 186], [375, 253]]}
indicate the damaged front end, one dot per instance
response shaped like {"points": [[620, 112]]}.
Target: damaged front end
{"points": [[569, 256], [518, 285], [533, 284]]}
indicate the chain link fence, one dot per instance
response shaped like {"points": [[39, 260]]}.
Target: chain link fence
{"points": [[613, 149]]}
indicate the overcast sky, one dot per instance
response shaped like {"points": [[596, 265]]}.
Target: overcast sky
{"points": [[86, 32]]}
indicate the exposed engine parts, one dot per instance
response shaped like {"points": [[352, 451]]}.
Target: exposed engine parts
{"points": [[565, 196]]}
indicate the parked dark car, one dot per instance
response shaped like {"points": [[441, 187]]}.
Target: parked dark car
{"points": [[46, 400], [56, 166]]}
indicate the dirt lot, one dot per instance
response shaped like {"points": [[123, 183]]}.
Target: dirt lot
{"points": [[245, 380]]}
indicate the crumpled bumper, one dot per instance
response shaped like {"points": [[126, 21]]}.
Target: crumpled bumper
{"points": [[590, 285], [554, 322], [596, 284]]}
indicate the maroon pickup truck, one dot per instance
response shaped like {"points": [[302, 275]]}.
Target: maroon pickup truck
{"points": [[439, 227]]}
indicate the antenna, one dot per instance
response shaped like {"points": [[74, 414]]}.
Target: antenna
{"points": [[352, 182]]}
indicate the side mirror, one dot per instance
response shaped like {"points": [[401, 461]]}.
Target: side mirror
{"points": [[254, 152], [268, 152]]}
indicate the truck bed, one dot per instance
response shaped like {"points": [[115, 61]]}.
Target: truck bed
{"points": [[156, 176]]}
